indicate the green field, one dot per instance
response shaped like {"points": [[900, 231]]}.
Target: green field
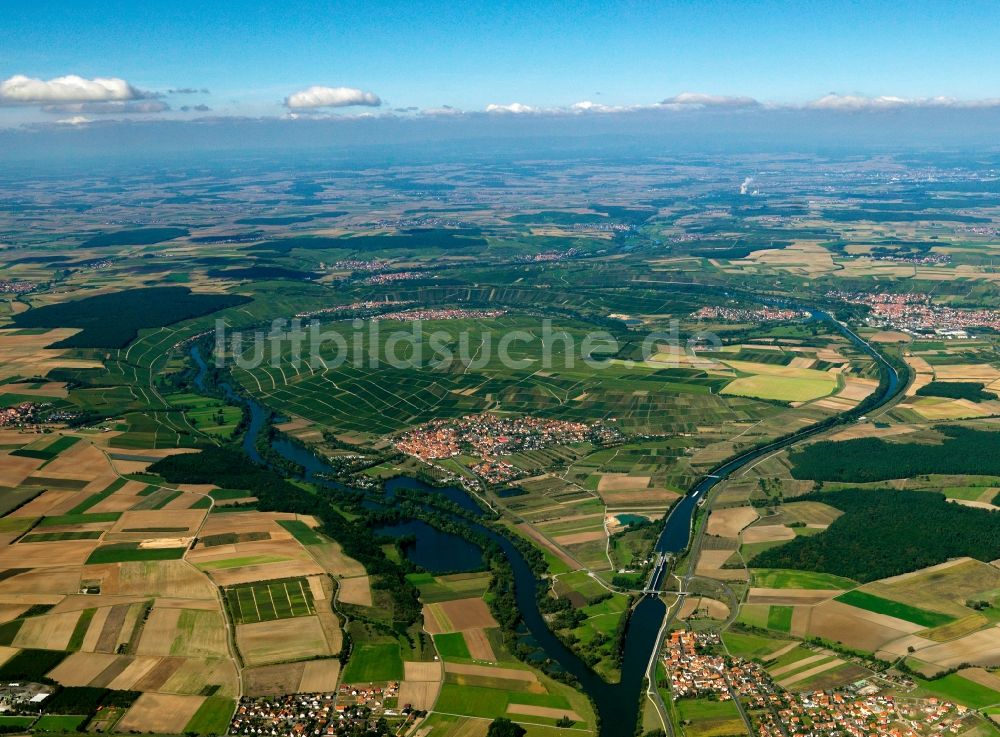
{"points": [[780, 618], [302, 532], [781, 388], [872, 603], [710, 718], [59, 723], [452, 646], [374, 662], [263, 601], [745, 645], [960, 690], [50, 450], [766, 578], [212, 716], [16, 721], [123, 552]]}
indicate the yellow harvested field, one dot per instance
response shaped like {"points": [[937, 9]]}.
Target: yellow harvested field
{"points": [[578, 538], [41, 586], [272, 680], [486, 671], [50, 389], [857, 628], [189, 520], [15, 469], [890, 336], [419, 694], [457, 615], [979, 648], [479, 645], [729, 522], [160, 713], [26, 355], [712, 560], [218, 524], [622, 482], [80, 669], [171, 631], [857, 389], [421, 671], [935, 408], [702, 606], [47, 632], [167, 578], [135, 670], [47, 554], [280, 640], [92, 638], [768, 533], [650, 496], [542, 711], [195, 673], [981, 372], [83, 462], [331, 557], [901, 647], [356, 590], [319, 676], [12, 610], [265, 572]]}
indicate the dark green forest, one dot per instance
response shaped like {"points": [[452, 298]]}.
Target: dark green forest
{"points": [[885, 533], [114, 320], [970, 390], [964, 451]]}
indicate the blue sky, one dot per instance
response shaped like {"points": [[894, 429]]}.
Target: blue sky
{"points": [[253, 56]]}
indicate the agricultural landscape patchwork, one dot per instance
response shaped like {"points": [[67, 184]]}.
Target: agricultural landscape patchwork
{"points": [[385, 449]]}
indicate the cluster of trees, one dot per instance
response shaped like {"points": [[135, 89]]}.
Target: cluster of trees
{"points": [[971, 390], [886, 533], [113, 320], [964, 451]]}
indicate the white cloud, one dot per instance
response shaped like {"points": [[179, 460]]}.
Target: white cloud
{"points": [[515, 107], [318, 96], [586, 106], [75, 120], [71, 88], [699, 99]]}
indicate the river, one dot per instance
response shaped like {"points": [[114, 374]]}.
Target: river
{"points": [[617, 704]]}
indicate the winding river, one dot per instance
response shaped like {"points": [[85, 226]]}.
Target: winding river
{"points": [[617, 704]]}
